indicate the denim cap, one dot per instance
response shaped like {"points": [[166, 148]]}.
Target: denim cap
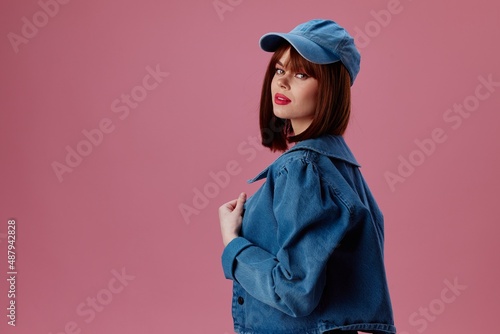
{"points": [[318, 41]]}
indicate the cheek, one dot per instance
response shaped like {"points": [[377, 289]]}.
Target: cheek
{"points": [[311, 95], [273, 83]]}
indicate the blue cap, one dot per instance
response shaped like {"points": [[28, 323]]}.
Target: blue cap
{"points": [[320, 42]]}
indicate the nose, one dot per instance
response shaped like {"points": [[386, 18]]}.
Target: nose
{"points": [[282, 82]]}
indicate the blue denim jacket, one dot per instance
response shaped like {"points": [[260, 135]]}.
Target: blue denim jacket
{"points": [[310, 255]]}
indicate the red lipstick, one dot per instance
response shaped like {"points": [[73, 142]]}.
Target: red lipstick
{"points": [[281, 99]]}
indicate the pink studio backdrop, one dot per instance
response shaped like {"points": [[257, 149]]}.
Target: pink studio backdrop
{"points": [[124, 126]]}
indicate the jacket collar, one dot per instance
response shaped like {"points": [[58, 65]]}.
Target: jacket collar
{"points": [[328, 145]]}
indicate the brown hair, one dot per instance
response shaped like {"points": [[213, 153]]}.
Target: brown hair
{"points": [[332, 109]]}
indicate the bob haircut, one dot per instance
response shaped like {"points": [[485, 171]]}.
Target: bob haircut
{"points": [[333, 106]]}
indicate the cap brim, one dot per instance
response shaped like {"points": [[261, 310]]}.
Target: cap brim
{"points": [[306, 48]]}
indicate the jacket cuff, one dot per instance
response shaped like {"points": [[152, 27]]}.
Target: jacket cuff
{"points": [[229, 255]]}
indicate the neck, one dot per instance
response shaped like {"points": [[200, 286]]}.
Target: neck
{"points": [[300, 125]]}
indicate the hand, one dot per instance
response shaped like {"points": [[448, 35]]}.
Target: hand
{"points": [[230, 216]]}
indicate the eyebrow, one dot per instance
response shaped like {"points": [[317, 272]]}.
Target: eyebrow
{"points": [[279, 63]]}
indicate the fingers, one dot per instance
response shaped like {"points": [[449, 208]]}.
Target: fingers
{"points": [[230, 218], [235, 204], [231, 205]]}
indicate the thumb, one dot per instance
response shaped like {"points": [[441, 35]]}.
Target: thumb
{"points": [[240, 201]]}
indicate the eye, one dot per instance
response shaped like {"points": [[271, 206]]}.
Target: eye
{"points": [[301, 76], [279, 71]]}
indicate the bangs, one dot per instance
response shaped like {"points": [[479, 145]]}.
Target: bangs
{"points": [[296, 63]]}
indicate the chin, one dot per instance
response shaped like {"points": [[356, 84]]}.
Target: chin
{"points": [[279, 113]]}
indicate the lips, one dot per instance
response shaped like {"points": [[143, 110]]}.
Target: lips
{"points": [[281, 99]]}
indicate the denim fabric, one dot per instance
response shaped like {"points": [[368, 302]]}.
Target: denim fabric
{"points": [[310, 255]]}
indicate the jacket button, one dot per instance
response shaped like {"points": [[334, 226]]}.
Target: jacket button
{"points": [[241, 300]]}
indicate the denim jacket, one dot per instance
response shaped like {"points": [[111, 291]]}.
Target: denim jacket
{"points": [[310, 256]]}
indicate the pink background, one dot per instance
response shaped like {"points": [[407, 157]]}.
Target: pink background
{"points": [[119, 207]]}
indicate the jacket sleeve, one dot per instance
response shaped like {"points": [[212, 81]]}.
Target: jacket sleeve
{"points": [[312, 219]]}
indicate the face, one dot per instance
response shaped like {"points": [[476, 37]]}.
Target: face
{"points": [[294, 95]]}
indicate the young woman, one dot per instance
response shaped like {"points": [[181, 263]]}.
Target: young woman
{"points": [[305, 252]]}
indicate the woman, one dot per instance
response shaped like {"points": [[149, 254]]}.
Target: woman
{"points": [[305, 252]]}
